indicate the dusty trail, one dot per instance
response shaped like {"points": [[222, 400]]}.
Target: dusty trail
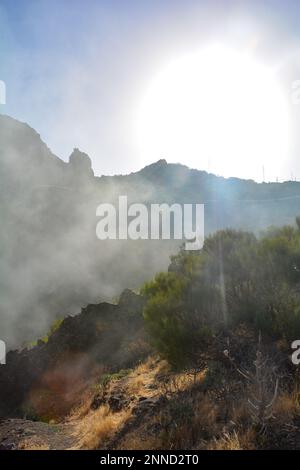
{"points": [[34, 435]]}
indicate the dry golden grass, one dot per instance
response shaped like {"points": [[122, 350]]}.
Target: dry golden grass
{"points": [[235, 440], [143, 380], [82, 409], [99, 426], [226, 442], [287, 406], [29, 444], [181, 381], [185, 430], [179, 431], [136, 385], [189, 418], [143, 377], [95, 428], [146, 366]]}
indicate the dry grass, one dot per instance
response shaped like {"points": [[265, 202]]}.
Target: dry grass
{"points": [[287, 406], [100, 426], [176, 427], [143, 378], [29, 444], [234, 441], [206, 413], [81, 410], [175, 383], [190, 417], [191, 420], [136, 385], [146, 366], [226, 442], [240, 415]]}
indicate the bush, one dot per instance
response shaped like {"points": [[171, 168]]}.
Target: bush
{"points": [[174, 331], [235, 278], [106, 379]]}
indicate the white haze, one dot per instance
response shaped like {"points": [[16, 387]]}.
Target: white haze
{"points": [[79, 75]]}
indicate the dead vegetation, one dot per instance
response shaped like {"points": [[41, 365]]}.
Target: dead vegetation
{"points": [[208, 407], [99, 427], [205, 407]]}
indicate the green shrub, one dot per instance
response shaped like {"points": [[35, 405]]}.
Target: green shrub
{"points": [[235, 278], [107, 378]]}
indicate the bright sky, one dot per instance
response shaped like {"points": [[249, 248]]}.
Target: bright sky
{"points": [[80, 72]]}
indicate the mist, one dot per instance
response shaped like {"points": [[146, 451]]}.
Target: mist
{"points": [[52, 263], [79, 75]]}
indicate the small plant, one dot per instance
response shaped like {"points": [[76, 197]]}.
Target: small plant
{"points": [[107, 378], [53, 328], [262, 385]]}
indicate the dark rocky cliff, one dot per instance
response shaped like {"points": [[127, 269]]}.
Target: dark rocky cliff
{"points": [[102, 338]]}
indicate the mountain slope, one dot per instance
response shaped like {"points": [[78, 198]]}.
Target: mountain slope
{"points": [[51, 377], [52, 264]]}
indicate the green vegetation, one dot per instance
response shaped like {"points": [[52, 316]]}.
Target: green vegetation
{"points": [[106, 379], [53, 328], [236, 278]]}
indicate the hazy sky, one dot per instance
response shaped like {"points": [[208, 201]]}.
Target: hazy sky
{"points": [[77, 70]]}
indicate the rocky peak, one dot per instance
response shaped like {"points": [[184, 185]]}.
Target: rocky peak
{"points": [[156, 165], [129, 301], [81, 163]]}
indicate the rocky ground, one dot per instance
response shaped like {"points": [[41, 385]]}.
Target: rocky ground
{"points": [[143, 403], [153, 407], [31, 435], [135, 397]]}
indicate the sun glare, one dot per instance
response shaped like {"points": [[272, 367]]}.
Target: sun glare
{"points": [[217, 110]]}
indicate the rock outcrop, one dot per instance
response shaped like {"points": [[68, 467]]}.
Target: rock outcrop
{"points": [[103, 337], [80, 165]]}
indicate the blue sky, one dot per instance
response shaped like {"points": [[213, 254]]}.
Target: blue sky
{"points": [[75, 70]]}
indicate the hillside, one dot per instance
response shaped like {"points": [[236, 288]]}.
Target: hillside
{"points": [[49, 377], [51, 262], [151, 406], [201, 358]]}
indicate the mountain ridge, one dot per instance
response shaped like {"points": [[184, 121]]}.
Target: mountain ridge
{"points": [[52, 263], [161, 163]]}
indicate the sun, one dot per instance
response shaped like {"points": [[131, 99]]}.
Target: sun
{"points": [[218, 110]]}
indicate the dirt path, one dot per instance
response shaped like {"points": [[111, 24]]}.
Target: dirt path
{"points": [[24, 434]]}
